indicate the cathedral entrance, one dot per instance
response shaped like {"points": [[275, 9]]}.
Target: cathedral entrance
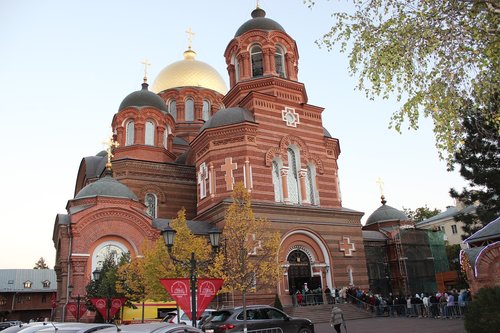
{"points": [[299, 272]]}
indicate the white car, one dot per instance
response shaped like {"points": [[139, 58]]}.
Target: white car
{"points": [[152, 328], [182, 317]]}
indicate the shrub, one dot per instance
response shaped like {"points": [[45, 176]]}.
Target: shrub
{"points": [[482, 314]]}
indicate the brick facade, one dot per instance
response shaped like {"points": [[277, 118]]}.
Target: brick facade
{"points": [[279, 149]]}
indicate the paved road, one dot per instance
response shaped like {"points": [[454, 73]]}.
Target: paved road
{"points": [[397, 325]]}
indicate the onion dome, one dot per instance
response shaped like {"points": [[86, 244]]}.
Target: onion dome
{"points": [[259, 21], [143, 98], [228, 116], [107, 186], [386, 213], [189, 73]]}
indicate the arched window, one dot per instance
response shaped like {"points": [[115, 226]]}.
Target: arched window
{"points": [[312, 193], [205, 112], [108, 250], [278, 194], [149, 137], [189, 109], [172, 108], [235, 62], [293, 175], [150, 202], [256, 59], [165, 137], [130, 129], [279, 61], [350, 276]]}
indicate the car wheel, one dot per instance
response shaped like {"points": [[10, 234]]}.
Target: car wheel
{"points": [[304, 330]]}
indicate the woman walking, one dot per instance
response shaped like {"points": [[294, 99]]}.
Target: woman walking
{"points": [[337, 318]]}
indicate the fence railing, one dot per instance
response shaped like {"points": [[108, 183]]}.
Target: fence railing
{"points": [[432, 310]]}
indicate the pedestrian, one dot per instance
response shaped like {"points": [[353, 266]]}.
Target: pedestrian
{"points": [[337, 319]]}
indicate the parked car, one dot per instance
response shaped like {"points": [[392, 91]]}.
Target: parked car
{"points": [[74, 328], [161, 327], [259, 317], [182, 317]]}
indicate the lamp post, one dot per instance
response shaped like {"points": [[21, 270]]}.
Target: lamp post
{"points": [[78, 298], [97, 275], [168, 235]]}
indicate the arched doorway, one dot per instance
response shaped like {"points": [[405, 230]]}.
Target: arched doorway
{"points": [[299, 272]]}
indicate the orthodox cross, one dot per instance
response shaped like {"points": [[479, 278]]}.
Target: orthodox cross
{"points": [[110, 145], [190, 34], [228, 168], [146, 63], [346, 246], [380, 183]]}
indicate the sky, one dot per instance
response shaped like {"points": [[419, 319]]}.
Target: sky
{"points": [[65, 67]]}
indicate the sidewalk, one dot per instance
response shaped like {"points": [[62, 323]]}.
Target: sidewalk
{"points": [[397, 325]]}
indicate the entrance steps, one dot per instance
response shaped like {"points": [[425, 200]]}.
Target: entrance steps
{"points": [[321, 313]]}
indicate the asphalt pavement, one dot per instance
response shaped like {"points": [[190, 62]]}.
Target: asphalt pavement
{"points": [[397, 325]]}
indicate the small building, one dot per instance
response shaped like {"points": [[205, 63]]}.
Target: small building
{"points": [[445, 221], [27, 293], [481, 259], [400, 258]]}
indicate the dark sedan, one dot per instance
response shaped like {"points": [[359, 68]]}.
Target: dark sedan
{"points": [[259, 317]]}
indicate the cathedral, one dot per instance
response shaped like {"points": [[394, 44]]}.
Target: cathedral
{"points": [[186, 139]]}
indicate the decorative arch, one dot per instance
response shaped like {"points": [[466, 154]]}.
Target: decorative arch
{"points": [[153, 188], [305, 155], [287, 245]]}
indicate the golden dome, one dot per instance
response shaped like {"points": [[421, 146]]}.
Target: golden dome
{"points": [[189, 73]]}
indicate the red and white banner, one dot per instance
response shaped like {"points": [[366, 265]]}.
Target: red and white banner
{"points": [[115, 304], [180, 292], [207, 289], [73, 309]]}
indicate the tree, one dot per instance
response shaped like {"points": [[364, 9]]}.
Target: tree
{"points": [[249, 254], [157, 263], [421, 213], [106, 285], [479, 160], [434, 54], [482, 314], [130, 282], [41, 264]]}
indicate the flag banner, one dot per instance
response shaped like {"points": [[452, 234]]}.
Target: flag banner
{"points": [[116, 304], [73, 309], [180, 292], [207, 289], [54, 301], [100, 304]]}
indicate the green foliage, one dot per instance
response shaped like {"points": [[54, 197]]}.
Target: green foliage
{"points": [[482, 314], [453, 254], [421, 213], [41, 264], [479, 160], [433, 54], [106, 285]]}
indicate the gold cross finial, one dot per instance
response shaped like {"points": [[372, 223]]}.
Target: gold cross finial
{"points": [[380, 183], [146, 63], [110, 145], [190, 34], [258, 4]]}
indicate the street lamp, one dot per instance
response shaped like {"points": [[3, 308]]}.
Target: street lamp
{"points": [[78, 299], [97, 275], [168, 236]]}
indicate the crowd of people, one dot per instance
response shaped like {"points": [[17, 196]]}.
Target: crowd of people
{"points": [[449, 304]]}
